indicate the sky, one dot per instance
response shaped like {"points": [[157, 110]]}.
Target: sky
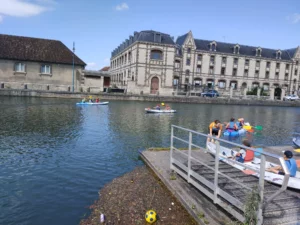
{"points": [[99, 26]]}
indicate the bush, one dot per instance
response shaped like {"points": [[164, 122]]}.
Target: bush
{"points": [[254, 92]]}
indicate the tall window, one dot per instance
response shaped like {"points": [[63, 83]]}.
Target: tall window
{"points": [[156, 54], [198, 69], [287, 66], [234, 72], [277, 65], [189, 50], [197, 82], [223, 71], [199, 57], [258, 52], [246, 73], [235, 61], [297, 62], [247, 62], [129, 57], [256, 73], [211, 70], [236, 49], [257, 63], [267, 75], [224, 60], [175, 81], [188, 61], [20, 67], [222, 84], [177, 64], [212, 59], [286, 76], [277, 76], [46, 69], [187, 72], [296, 72], [268, 64], [278, 55]]}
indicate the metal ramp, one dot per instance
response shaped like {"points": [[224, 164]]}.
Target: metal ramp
{"points": [[230, 187]]}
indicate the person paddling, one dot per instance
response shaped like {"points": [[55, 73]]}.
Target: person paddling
{"points": [[231, 126]]}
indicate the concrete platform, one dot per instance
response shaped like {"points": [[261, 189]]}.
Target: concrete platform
{"points": [[193, 200], [196, 203]]}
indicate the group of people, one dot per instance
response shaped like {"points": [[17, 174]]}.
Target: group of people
{"points": [[158, 106], [234, 126], [247, 155], [90, 99]]}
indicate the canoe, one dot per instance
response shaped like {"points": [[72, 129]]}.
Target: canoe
{"points": [[159, 111], [296, 142], [234, 133], [294, 182], [92, 103]]}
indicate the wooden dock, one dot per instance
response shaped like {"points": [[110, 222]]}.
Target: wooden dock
{"points": [[284, 209]]}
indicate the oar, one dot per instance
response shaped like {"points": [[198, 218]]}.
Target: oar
{"points": [[297, 150], [257, 127]]}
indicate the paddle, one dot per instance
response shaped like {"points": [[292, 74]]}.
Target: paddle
{"points": [[297, 150], [257, 127]]}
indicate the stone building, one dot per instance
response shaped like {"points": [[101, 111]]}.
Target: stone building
{"points": [[39, 64], [151, 62]]}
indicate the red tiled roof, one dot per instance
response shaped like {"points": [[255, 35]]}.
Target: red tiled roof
{"points": [[106, 68]]}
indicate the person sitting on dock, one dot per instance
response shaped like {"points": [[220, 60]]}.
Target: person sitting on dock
{"points": [[244, 155], [231, 126], [215, 128], [289, 162]]}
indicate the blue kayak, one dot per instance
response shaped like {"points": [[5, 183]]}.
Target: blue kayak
{"points": [[231, 133], [92, 103]]}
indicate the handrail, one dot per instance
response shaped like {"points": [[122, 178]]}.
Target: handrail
{"points": [[228, 142], [216, 189]]}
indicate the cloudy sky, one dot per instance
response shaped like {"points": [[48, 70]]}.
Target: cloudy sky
{"points": [[98, 26]]}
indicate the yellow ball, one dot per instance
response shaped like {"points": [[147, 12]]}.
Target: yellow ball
{"points": [[162, 104], [150, 216]]}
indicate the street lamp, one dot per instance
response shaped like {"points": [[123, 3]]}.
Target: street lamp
{"points": [[73, 66]]}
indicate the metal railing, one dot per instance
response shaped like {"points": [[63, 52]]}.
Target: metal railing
{"points": [[212, 189]]}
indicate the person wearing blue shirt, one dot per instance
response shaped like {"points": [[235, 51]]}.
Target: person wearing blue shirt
{"points": [[290, 164]]}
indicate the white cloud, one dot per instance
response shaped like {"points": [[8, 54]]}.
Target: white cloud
{"points": [[294, 18], [22, 8], [122, 7], [91, 65]]}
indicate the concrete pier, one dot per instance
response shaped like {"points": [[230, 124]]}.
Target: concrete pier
{"points": [[284, 209]]}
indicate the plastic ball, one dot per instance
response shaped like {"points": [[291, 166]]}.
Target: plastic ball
{"points": [[150, 216]]}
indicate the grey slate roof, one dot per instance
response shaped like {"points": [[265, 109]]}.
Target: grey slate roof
{"points": [[36, 50], [223, 47], [145, 36]]}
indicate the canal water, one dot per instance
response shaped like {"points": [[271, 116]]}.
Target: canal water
{"points": [[55, 156]]}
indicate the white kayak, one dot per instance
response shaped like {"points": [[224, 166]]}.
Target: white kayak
{"points": [[148, 110], [294, 182], [92, 103], [296, 142]]}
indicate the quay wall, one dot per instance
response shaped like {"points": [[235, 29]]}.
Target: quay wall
{"points": [[151, 98]]}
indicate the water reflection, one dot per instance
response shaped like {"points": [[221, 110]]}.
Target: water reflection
{"points": [[55, 156]]}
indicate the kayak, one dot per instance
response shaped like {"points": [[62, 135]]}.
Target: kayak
{"points": [[159, 111], [294, 182], [234, 133], [296, 142], [92, 103]]}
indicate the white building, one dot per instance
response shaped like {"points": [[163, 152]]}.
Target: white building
{"points": [[151, 62]]}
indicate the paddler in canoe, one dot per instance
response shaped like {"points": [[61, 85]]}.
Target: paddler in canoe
{"points": [[231, 126]]}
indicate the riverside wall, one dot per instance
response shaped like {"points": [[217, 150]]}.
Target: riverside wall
{"points": [[151, 98]]}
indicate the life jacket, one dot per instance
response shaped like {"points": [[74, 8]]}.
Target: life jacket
{"points": [[249, 155], [231, 125]]}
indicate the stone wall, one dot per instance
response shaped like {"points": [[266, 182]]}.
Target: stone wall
{"points": [[151, 98]]}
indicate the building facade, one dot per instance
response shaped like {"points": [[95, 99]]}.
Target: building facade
{"points": [[38, 64], [189, 64]]}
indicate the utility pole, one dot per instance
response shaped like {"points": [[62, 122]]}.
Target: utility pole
{"points": [[73, 66]]}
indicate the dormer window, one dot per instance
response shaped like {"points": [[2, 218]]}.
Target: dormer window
{"points": [[236, 49], [278, 54], [189, 50], [258, 52], [213, 46]]}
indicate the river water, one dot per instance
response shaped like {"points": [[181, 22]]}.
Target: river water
{"points": [[55, 156]]}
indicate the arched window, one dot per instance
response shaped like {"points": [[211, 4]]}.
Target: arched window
{"points": [[213, 46], [156, 54], [187, 72], [278, 54], [197, 82], [258, 52], [236, 49], [175, 81]]}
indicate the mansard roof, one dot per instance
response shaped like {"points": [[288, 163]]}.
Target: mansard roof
{"points": [[36, 49], [222, 47], [145, 36]]}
